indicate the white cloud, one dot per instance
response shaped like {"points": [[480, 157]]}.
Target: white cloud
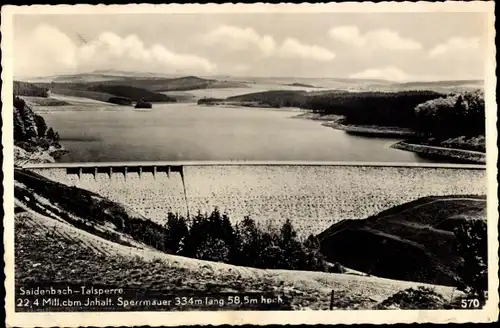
{"points": [[455, 46], [294, 48], [381, 38], [347, 34], [47, 51], [244, 39], [390, 73], [240, 39]]}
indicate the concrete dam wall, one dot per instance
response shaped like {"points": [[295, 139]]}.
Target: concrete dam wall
{"points": [[312, 196]]}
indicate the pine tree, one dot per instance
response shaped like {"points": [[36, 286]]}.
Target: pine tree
{"points": [[472, 246]]}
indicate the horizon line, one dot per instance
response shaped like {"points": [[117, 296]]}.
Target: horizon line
{"points": [[166, 75]]}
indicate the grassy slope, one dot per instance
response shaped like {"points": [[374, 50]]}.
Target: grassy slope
{"points": [[414, 241], [54, 251], [28, 89], [152, 84], [51, 246]]}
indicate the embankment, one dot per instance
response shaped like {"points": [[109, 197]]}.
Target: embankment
{"points": [[313, 197], [372, 131], [433, 151]]}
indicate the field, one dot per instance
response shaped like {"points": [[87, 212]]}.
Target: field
{"points": [[304, 194]]}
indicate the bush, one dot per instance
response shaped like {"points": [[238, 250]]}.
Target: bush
{"points": [[414, 299], [213, 250], [271, 257], [472, 246]]}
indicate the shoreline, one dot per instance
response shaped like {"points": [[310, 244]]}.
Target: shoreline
{"points": [[371, 131], [453, 154], [434, 151], [333, 121]]}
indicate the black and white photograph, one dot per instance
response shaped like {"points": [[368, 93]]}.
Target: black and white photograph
{"points": [[197, 159]]}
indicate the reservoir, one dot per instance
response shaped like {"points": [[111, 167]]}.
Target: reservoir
{"points": [[186, 131]]}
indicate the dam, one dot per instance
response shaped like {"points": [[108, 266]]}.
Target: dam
{"points": [[312, 196]]}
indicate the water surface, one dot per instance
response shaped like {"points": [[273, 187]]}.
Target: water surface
{"points": [[184, 131]]}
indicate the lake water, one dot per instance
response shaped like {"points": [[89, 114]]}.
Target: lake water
{"points": [[182, 131]]}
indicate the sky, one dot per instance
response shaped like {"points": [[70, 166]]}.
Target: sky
{"points": [[392, 46]]}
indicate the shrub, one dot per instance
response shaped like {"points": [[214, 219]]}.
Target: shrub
{"points": [[414, 299], [213, 249], [271, 257], [472, 246]]}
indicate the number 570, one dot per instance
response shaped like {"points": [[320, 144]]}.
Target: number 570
{"points": [[470, 303]]}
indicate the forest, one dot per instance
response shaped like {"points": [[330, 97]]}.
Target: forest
{"points": [[30, 129]]}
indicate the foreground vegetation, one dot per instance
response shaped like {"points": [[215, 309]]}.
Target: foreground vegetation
{"points": [[426, 238], [206, 236], [29, 89], [434, 246], [50, 251], [31, 133]]}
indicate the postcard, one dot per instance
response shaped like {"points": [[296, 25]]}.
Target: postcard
{"points": [[208, 164]]}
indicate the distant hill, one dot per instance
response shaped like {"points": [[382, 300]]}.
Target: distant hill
{"points": [[414, 241], [29, 89], [106, 91], [131, 92], [452, 83], [274, 98], [300, 85], [149, 81]]}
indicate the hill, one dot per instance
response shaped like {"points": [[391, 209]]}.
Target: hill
{"points": [[53, 243], [32, 135], [29, 89], [274, 98], [414, 241], [131, 92], [153, 83], [106, 91], [296, 84]]}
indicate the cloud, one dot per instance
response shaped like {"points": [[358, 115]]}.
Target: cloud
{"points": [[57, 53], [245, 39], [380, 38], [240, 39], [455, 46], [390, 73], [294, 48]]}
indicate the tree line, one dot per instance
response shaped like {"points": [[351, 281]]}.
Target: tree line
{"points": [[454, 115], [209, 236], [30, 129], [372, 108], [428, 113]]}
